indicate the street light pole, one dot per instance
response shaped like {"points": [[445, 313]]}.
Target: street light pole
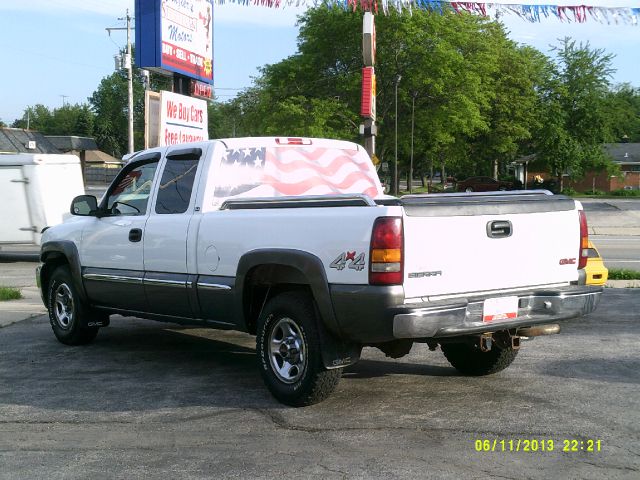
{"points": [[395, 165], [413, 110]]}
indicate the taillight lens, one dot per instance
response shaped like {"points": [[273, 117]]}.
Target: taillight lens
{"points": [[584, 241], [293, 141], [386, 262]]}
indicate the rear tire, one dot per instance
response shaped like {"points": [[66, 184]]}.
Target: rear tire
{"points": [[68, 314], [470, 360], [289, 356]]}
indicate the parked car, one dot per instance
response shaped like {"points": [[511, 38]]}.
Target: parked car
{"points": [[293, 241], [597, 273], [483, 184]]}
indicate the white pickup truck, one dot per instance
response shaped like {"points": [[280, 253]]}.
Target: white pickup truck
{"points": [[293, 240]]}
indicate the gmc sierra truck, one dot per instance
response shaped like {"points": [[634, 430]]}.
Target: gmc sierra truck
{"points": [[293, 240]]}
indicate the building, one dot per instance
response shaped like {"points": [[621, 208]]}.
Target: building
{"points": [[18, 140], [98, 168], [625, 155]]}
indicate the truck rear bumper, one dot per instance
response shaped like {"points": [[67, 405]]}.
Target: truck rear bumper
{"points": [[384, 321]]}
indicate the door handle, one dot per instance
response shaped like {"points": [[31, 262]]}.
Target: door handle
{"points": [[135, 234]]}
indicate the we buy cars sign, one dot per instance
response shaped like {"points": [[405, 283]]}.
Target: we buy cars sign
{"points": [[182, 119]]}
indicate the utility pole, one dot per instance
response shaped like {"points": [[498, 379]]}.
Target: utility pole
{"points": [[128, 64], [64, 100]]}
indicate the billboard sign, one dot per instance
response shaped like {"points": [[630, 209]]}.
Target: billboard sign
{"points": [[368, 103], [201, 90], [176, 36], [182, 119]]}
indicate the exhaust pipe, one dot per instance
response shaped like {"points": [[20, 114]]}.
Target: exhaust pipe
{"points": [[539, 330]]}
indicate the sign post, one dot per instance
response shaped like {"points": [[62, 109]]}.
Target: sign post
{"points": [[368, 105]]}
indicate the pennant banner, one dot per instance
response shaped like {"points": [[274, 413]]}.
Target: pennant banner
{"points": [[530, 13]]}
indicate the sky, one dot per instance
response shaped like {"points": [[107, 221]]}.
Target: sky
{"points": [[57, 51]]}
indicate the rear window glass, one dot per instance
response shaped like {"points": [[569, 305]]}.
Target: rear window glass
{"points": [[293, 171]]}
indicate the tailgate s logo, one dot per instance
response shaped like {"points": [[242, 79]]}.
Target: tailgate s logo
{"points": [[499, 229]]}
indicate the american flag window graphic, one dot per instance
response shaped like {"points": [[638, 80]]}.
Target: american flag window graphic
{"points": [[287, 171]]}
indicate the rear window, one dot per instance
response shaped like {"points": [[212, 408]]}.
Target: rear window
{"points": [[293, 171]]}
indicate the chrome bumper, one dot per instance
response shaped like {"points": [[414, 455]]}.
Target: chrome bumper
{"points": [[464, 317]]}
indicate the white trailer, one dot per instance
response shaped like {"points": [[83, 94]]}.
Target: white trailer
{"points": [[36, 191]]}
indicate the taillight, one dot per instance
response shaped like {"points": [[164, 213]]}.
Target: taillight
{"points": [[293, 141], [386, 262], [584, 241]]}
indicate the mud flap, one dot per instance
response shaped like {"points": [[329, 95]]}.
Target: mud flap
{"points": [[337, 353]]}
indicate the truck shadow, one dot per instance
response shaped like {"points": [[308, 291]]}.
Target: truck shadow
{"points": [[141, 366], [382, 368]]}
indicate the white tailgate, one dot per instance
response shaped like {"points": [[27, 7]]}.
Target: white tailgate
{"points": [[449, 255]]}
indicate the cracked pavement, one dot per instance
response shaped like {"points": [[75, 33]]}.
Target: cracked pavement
{"points": [[153, 400]]}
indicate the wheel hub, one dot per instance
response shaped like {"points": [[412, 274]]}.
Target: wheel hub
{"points": [[63, 306], [287, 351], [290, 349]]}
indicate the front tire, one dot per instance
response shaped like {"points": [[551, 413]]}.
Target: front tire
{"points": [[67, 312], [468, 189], [288, 348], [468, 359]]}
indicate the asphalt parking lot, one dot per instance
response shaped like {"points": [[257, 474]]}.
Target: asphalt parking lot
{"points": [[154, 400]]}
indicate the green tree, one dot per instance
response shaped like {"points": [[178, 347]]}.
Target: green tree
{"points": [[109, 103], [575, 120], [623, 111], [67, 120], [512, 114], [448, 65], [38, 118]]}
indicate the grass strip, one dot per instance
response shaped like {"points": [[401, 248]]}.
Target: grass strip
{"points": [[9, 293], [623, 274]]}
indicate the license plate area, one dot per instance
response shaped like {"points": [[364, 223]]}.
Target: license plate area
{"points": [[500, 309]]}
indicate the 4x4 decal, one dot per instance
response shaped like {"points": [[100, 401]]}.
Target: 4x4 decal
{"points": [[356, 259]]}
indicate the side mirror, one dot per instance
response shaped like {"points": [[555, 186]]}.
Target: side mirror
{"points": [[84, 205]]}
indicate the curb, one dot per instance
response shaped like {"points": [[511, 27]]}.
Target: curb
{"points": [[13, 311], [622, 231], [623, 284]]}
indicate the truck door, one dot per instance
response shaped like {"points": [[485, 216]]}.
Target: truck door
{"points": [[111, 250], [166, 279]]}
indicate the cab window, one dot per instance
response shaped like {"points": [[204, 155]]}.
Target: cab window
{"points": [[130, 195], [176, 185]]}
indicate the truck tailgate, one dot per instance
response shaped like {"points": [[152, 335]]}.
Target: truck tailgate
{"points": [[460, 244]]}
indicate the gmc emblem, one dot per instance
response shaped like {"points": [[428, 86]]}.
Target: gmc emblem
{"points": [[567, 261]]}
